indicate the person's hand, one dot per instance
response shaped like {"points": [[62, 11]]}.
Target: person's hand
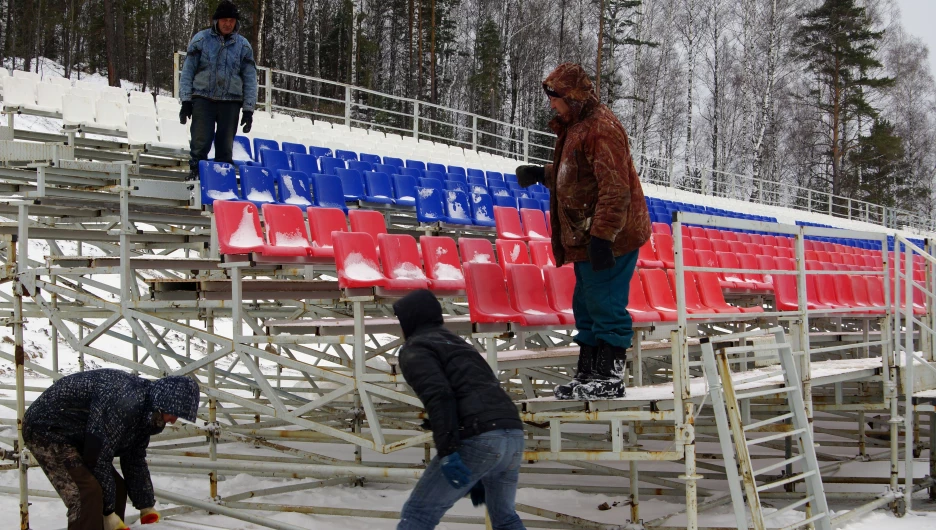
{"points": [[247, 120], [600, 254], [530, 175], [149, 516], [185, 112], [477, 494], [112, 521], [455, 471]]}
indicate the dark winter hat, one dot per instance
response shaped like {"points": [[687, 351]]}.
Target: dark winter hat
{"points": [[176, 395], [417, 309], [226, 9], [569, 81]]}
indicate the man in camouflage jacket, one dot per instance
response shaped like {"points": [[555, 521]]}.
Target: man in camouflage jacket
{"points": [[599, 221], [83, 421]]}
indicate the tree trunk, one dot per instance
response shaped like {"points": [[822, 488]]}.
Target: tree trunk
{"points": [[409, 48], [600, 39], [419, 52], [432, 51], [259, 57], [562, 12], [110, 37]]}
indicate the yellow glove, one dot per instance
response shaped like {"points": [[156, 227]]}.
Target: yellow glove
{"points": [[149, 516], [114, 522]]}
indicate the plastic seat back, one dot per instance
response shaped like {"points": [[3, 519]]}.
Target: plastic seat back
{"points": [[356, 260], [327, 192], [527, 294], [238, 224], [694, 303], [534, 224], [711, 294], [658, 291], [377, 187], [345, 155], [482, 209], [476, 250], [487, 294], [457, 170], [663, 244], [293, 188], [141, 130], [431, 166], [285, 230], [322, 222], [560, 285], [701, 243], [430, 206], [456, 185], [401, 261], [637, 305], [263, 143], [511, 252], [368, 221], [308, 164], [331, 165], [457, 208], [416, 164], [404, 189], [292, 147], [647, 258], [257, 185], [218, 182], [662, 228], [541, 253], [370, 158], [508, 223], [440, 259], [352, 184]]}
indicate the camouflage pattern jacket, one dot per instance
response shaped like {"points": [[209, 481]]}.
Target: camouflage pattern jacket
{"points": [[595, 190]]}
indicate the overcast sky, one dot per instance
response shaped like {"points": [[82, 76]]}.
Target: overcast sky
{"points": [[919, 18]]}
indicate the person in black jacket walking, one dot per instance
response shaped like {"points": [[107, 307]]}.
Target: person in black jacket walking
{"points": [[83, 421], [476, 427]]}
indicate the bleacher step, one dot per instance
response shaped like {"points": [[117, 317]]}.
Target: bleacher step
{"points": [[13, 151]]}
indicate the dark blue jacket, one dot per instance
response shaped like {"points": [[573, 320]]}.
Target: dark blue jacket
{"points": [[109, 413], [219, 68]]}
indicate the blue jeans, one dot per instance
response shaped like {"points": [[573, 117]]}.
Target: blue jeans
{"points": [[493, 458], [599, 302]]}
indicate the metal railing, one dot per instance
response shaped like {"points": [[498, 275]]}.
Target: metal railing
{"points": [[352, 106]]}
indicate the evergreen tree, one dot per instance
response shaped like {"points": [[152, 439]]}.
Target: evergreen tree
{"points": [[838, 46], [879, 167]]}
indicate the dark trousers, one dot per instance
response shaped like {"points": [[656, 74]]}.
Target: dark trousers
{"points": [[206, 115], [599, 302], [76, 485]]}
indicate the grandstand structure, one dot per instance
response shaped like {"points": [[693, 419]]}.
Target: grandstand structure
{"points": [[271, 281]]}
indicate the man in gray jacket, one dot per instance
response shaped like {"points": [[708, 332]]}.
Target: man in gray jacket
{"points": [[219, 78]]}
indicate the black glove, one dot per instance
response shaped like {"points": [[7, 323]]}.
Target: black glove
{"points": [[477, 494], [600, 254], [247, 120], [530, 175], [185, 112], [558, 252]]}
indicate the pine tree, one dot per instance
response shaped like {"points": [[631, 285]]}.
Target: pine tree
{"points": [[879, 166], [838, 46]]}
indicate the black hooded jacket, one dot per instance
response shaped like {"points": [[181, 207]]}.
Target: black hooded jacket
{"points": [[458, 388], [109, 413]]}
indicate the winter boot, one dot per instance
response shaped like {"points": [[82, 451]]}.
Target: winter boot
{"points": [[193, 175], [582, 374], [607, 381]]}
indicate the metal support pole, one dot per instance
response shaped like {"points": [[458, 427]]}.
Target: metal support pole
{"points": [[932, 459], [526, 145], [474, 133], [634, 477], [269, 90], [416, 120], [347, 106], [175, 75], [908, 371], [22, 263], [212, 412]]}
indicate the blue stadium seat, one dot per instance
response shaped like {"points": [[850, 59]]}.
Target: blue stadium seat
{"points": [[430, 166], [434, 175], [393, 161], [218, 182], [475, 180], [308, 164], [371, 159], [327, 192], [498, 184], [539, 188], [496, 175], [504, 200], [455, 185], [544, 205], [509, 177], [273, 159], [345, 155], [416, 164], [521, 194], [404, 190], [257, 185], [319, 151], [411, 171], [242, 149], [290, 147], [482, 209], [478, 188], [360, 166], [533, 204], [457, 169], [457, 207], [541, 196], [430, 208], [378, 187], [385, 168], [263, 143], [293, 188], [352, 183], [456, 177], [472, 172], [513, 186], [330, 164], [431, 183]]}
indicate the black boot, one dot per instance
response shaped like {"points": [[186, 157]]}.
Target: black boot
{"points": [[607, 381], [193, 174], [582, 374]]}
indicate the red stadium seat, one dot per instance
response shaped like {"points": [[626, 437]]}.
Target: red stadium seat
{"points": [[527, 294], [647, 258], [757, 239], [560, 284], [743, 238], [440, 258], [476, 250], [737, 247], [487, 294], [356, 260], [369, 221], [658, 291], [401, 261], [534, 224], [511, 252], [508, 223], [694, 305], [708, 259], [712, 296], [663, 243], [322, 222], [638, 307], [286, 231], [754, 281], [661, 228], [541, 254], [700, 243], [714, 233], [728, 235], [238, 224], [696, 231]]}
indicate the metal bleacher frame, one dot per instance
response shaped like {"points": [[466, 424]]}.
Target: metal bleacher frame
{"points": [[282, 373]]}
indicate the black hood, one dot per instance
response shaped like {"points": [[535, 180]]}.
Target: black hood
{"points": [[176, 395], [417, 310]]}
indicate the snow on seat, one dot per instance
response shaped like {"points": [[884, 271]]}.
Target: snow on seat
{"points": [[110, 114], [482, 209], [476, 250], [238, 225], [534, 223], [323, 222], [456, 207], [293, 188], [560, 285], [443, 268], [286, 231], [430, 207], [527, 295], [404, 189], [257, 185], [378, 188], [368, 221], [141, 98], [511, 252], [141, 130], [400, 257], [508, 223], [487, 294], [356, 261], [541, 254], [143, 110], [49, 97], [274, 159], [173, 135], [19, 92], [218, 182]]}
